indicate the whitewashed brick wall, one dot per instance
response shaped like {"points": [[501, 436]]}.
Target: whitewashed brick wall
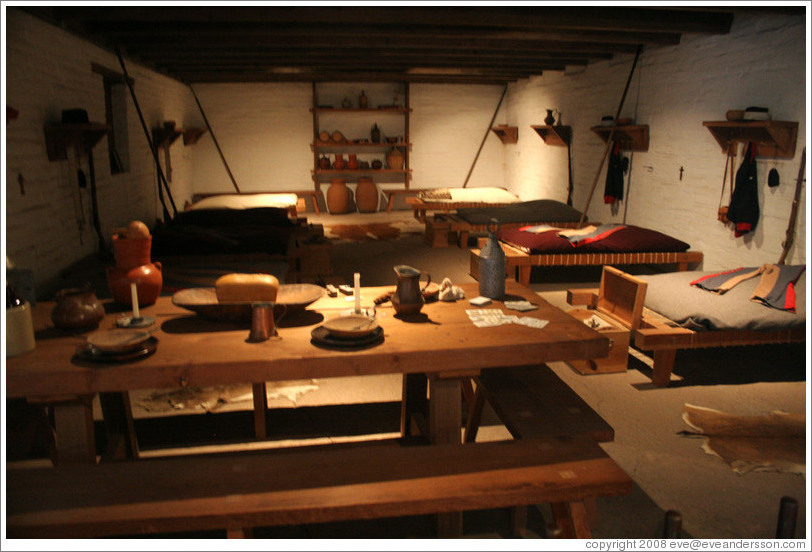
{"points": [[48, 70], [674, 89], [265, 131]]}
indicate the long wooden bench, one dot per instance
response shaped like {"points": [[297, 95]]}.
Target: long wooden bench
{"points": [[534, 403], [237, 492]]}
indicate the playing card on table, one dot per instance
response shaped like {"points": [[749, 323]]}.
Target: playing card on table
{"points": [[531, 322]]}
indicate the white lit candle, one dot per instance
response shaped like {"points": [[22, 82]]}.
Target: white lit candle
{"points": [[357, 293], [134, 294]]}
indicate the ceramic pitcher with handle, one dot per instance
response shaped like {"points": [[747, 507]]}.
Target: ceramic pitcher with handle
{"points": [[408, 297]]}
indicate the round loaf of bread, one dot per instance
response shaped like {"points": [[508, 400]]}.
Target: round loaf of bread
{"points": [[246, 288]]}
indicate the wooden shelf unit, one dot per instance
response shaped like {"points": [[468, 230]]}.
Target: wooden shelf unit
{"points": [[554, 135], [772, 138], [508, 134], [59, 137], [380, 176], [629, 137]]}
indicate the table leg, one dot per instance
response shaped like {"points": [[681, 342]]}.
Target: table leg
{"points": [[122, 441], [75, 435], [445, 422], [414, 406], [260, 409]]}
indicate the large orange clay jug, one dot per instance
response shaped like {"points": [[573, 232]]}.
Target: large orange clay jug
{"points": [[133, 265]]}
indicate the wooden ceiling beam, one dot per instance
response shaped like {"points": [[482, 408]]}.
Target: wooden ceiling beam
{"points": [[367, 76], [518, 17], [298, 34]]}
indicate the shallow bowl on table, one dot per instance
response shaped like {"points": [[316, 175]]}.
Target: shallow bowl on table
{"points": [[289, 299]]}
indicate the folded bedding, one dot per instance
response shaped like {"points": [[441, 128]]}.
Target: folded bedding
{"points": [[674, 296], [246, 201], [485, 194], [537, 210], [542, 239]]}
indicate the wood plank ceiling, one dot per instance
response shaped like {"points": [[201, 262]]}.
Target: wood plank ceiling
{"points": [[446, 44]]}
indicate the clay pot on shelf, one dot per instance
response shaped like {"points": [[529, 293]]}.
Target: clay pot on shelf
{"points": [[339, 163], [324, 136], [338, 197], [549, 120], [324, 162], [77, 309], [377, 164], [375, 134], [362, 100], [352, 161], [366, 195], [133, 265], [395, 159]]}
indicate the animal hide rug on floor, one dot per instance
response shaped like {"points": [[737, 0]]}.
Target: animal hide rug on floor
{"points": [[372, 231], [771, 442], [210, 399]]}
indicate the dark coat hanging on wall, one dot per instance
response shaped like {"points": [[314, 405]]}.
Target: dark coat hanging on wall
{"points": [[618, 165], [744, 211]]}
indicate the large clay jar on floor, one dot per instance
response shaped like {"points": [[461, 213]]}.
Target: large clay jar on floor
{"points": [[133, 264], [338, 197], [366, 195]]}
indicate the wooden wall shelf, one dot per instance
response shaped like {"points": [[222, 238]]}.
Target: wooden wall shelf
{"points": [[508, 134], [166, 136], [554, 135], [192, 135], [59, 137], [629, 137], [773, 138]]}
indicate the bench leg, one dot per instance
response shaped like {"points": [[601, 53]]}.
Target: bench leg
{"points": [[518, 521], [663, 366], [572, 519], [240, 533], [463, 239], [260, 408], [524, 275]]}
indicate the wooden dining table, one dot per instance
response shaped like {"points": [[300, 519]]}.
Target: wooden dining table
{"points": [[439, 348]]}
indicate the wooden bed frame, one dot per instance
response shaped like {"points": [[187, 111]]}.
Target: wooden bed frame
{"points": [[659, 334], [420, 206], [520, 264], [444, 228]]}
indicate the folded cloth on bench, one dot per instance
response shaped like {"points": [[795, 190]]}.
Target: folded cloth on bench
{"points": [[776, 287]]}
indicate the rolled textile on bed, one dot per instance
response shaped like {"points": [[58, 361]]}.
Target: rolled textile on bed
{"points": [[484, 194]]}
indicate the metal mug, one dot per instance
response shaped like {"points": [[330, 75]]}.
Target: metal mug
{"points": [[263, 326]]}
